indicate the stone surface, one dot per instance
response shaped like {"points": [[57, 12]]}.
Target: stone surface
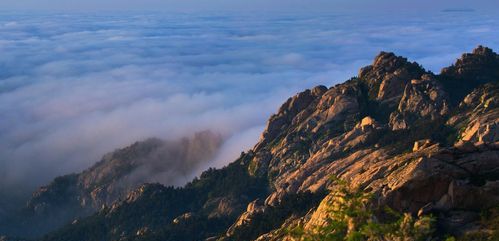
{"points": [[388, 75], [422, 100]]}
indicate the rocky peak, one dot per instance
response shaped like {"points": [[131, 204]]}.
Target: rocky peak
{"points": [[389, 61], [470, 71], [387, 77], [481, 59], [484, 51], [289, 110]]}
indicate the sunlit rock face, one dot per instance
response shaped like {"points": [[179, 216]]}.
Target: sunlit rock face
{"points": [[422, 155]]}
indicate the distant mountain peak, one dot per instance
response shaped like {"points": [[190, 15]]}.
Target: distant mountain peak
{"points": [[117, 174], [484, 51], [470, 71], [389, 61], [480, 59]]}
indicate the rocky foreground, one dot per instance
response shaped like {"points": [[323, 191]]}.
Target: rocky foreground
{"points": [[421, 144]]}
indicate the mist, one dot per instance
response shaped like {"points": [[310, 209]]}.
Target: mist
{"points": [[171, 162], [74, 87]]}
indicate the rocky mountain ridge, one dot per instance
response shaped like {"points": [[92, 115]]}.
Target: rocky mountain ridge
{"points": [[372, 154], [419, 143]]}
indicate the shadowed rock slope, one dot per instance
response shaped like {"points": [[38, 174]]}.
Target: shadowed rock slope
{"points": [[420, 143], [111, 179]]}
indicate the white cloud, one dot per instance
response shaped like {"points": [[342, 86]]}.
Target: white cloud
{"points": [[73, 87]]}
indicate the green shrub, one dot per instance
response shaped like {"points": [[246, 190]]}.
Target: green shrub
{"points": [[352, 217]]}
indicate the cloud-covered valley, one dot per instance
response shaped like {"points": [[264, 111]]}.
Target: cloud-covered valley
{"points": [[74, 87]]}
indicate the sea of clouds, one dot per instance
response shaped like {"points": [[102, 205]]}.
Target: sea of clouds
{"points": [[76, 86]]}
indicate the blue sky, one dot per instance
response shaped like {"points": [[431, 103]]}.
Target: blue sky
{"points": [[238, 5], [75, 86]]}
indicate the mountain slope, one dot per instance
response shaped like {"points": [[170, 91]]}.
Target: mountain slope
{"points": [[78, 195], [402, 153], [207, 205], [419, 143]]}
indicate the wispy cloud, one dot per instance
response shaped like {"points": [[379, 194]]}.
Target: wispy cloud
{"points": [[73, 87]]}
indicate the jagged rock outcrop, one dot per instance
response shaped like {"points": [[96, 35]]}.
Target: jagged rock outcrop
{"points": [[446, 181], [387, 77], [423, 99], [470, 71], [328, 114], [477, 119], [289, 111], [476, 68], [425, 178], [254, 208]]}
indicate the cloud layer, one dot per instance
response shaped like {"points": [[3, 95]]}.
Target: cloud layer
{"points": [[73, 87]]}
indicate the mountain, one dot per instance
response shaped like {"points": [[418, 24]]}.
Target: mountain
{"points": [[395, 143], [111, 179]]}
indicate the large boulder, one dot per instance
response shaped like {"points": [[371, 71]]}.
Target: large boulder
{"points": [[423, 99]]}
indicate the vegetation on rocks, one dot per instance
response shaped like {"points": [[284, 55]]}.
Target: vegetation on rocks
{"points": [[351, 215]]}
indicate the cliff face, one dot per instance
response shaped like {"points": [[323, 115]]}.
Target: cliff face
{"points": [[417, 142]]}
